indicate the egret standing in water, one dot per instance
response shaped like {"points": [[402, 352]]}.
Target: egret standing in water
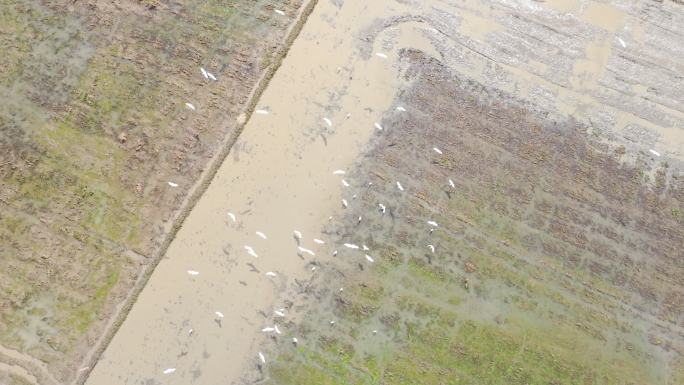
{"points": [[251, 251]]}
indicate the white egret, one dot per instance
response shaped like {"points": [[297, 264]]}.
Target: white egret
{"points": [[307, 251], [251, 251]]}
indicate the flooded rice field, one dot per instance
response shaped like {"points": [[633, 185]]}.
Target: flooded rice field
{"points": [[522, 231], [550, 260], [427, 192]]}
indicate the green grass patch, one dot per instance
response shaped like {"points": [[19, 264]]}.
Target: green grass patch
{"points": [[83, 315]]}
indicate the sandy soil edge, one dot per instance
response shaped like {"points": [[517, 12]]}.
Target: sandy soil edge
{"points": [[195, 194]]}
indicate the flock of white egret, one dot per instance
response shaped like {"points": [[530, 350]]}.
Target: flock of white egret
{"points": [[298, 236]]}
